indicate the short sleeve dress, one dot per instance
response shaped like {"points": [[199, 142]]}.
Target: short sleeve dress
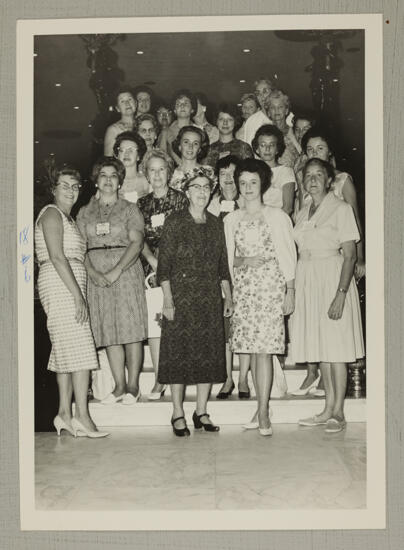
{"points": [[193, 258], [280, 176], [118, 312], [314, 336], [73, 346]]}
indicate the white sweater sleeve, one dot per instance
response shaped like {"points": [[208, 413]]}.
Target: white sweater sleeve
{"points": [[282, 232], [230, 224]]}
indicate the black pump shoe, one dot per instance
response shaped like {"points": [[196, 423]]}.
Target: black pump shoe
{"points": [[244, 394], [180, 432], [225, 394], [196, 418]]}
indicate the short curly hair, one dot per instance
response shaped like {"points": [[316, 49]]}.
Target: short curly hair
{"points": [[328, 167], [231, 110], [318, 132], [65, 170], [278, 94], [184, 92], [254, 166], [159, 154], [203, 150], [225, 162], [131, 136], [269, 130], [108, 161]]}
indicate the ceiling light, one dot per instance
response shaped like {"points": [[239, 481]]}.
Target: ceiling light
{"points": [[58, 84], [238, 104], [354, 148], [140, 52], [90, 125], [242, 81], [76, 107], [35, 55], [246, 50], [52, 154], [36, 141]]}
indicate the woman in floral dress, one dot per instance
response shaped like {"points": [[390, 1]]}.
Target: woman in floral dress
{"points": [[262, 260]]}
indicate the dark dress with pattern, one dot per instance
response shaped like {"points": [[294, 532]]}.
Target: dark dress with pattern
{"points": [[149, 205], [193, 257]]}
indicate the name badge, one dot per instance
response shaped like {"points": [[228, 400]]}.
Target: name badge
{"points": [[102, 228], [227, 206], [157, 220]]}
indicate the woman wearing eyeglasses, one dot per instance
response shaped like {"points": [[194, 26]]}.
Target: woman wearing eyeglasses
{"points": [[114, 231], [192, 271], [60, 251]]}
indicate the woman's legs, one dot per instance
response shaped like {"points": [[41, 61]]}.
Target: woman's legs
{"points": [[264, 375], [311, 376], [339, 373], [134, 360], [80, 382], [65, 386], [177, 396], [116, 358], [154, 347], [229, 370], [325, 369], [244, 365], [202, 396]]}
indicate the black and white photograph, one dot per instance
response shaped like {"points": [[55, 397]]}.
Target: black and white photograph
{"points": [[200, 273]]}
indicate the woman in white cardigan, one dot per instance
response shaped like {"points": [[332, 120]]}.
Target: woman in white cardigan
{"points": [[262, 261]]}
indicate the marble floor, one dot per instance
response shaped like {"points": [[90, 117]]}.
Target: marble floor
{"points": [[149, 468]]}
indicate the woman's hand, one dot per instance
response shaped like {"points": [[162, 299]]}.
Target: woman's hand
{"points": [[113, 275], [289, 301], [81, 310], [168, 310], [254, 261], [228, 307], [337, 306], [360, 269], [98, 278]]}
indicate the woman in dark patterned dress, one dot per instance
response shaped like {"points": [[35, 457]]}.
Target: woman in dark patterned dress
{"points": [[156, 207], [193, 271]]}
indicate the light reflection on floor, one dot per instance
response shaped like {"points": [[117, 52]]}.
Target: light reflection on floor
{"points": [[149, 468]]}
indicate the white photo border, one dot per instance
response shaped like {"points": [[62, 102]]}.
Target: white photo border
{"points": [[374, 516]]}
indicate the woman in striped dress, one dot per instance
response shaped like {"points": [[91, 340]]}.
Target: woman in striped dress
{"points": [[62, 280]]}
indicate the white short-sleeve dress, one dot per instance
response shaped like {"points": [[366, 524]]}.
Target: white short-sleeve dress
{"points": [[314, 336]]}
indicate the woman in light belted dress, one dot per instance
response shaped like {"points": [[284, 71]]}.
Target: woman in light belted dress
{"points": [[62, 280], [326, 324], [113, 229]]}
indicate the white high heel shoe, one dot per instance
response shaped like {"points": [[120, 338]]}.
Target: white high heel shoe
{"points": [[254, 425], [265, 431], [80, 430], [305, 391], [60, 425], [156, 395]]}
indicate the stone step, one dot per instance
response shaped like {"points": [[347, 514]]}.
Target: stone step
{"points": [[230, 411]]}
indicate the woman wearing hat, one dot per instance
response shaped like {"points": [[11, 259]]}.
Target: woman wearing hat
{"points": [[193, 271]]}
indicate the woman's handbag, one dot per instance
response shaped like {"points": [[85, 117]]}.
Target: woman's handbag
{"points": [[154, 299]]}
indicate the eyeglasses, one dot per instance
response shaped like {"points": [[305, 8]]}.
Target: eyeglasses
{"points": [[66, 187], [205, 188]]}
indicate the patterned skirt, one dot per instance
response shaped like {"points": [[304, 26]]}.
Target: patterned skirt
{"points": [[73, 346], [119, 312]]}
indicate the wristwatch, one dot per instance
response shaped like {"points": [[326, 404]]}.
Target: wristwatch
{"points": [[343, 290]]}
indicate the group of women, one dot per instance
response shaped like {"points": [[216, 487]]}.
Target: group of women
{"points": [[211, 220]]}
